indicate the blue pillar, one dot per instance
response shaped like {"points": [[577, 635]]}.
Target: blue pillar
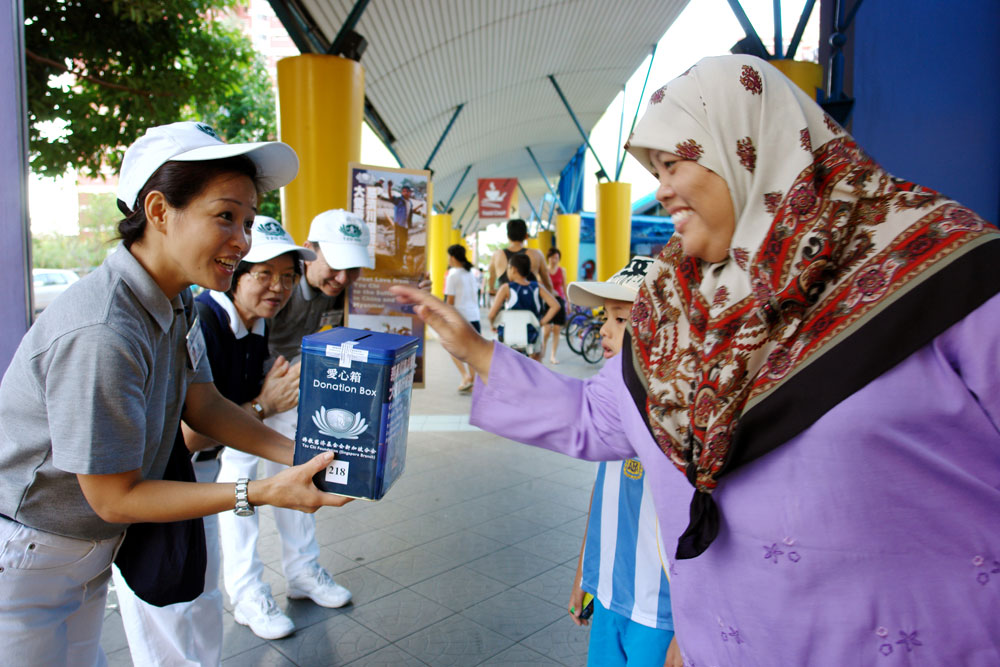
{"points": [[15, 235]]}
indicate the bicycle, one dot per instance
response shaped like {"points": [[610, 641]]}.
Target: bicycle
{"points": [[583, 335], [591, 348], [574, 326]]}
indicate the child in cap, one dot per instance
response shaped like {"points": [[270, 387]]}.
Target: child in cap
{"points": [[91, 402], [620, 562]]}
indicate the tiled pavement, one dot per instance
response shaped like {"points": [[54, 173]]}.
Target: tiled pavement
{"points": [[468, 560]]}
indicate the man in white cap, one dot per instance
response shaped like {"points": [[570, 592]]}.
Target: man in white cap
{"points": [[340, 241]]}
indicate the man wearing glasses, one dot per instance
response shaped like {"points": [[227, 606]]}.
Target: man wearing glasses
{"points": [[340, 242]]}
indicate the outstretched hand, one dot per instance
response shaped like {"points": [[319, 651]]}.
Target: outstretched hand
{"points": [[293, 488], [457, 335]]}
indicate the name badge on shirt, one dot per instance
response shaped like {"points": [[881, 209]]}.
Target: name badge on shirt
{"points": [[195, 344]]}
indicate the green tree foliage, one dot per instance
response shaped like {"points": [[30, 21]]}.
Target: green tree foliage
{"points": [[132, 65], [98, 222]]}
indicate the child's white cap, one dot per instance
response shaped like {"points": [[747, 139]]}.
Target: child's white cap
{"points": [[623, 286]]}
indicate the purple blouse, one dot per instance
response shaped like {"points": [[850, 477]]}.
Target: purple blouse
{"points": [[872, 538]]}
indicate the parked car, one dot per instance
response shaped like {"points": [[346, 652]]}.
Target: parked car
{"points": [[50, 283]]}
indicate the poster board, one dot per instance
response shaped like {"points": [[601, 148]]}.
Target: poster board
{"points": [[497, 198], [395, 204]]}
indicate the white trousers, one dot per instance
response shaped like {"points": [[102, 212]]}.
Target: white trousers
{"points": [[52, 595], [242, 568], [185, 634]]}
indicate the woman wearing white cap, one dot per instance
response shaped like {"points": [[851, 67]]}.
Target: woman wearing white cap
{"points": [[234, 327], [91, 402]]}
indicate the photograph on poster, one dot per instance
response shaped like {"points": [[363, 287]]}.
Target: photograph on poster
{"points": [[395, 324], [394, 203]]}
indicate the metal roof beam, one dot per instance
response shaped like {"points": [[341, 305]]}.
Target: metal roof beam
{"points": [[349, 23], [642, 96], [755, 44], [465, 210], [579, 127], [455, 191], [777, 29], [300, 26], [793, 45], [528, 199], [444, 134], [555, 195]]}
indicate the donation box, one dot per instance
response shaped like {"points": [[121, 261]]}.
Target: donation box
{"points": [[354, 400]]}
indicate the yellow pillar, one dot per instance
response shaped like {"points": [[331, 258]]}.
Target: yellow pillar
{"points": [[321, 104], [456, 237], [438, 240], [807, 76], [612, 227], [545, 240], [568, 240], [532, 242]]}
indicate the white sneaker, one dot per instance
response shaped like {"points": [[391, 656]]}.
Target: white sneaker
{"points": [[260, 612], [317, 585]]}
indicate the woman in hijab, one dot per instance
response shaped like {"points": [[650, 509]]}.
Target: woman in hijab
{"points": [[813, 389]]}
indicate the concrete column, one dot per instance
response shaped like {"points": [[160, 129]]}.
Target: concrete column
{"points": [[807, 76], [438, 239], [321, 105], [612, 227], [545, 240], [568, 242]]}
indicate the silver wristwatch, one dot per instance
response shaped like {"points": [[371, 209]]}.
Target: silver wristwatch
{"points": [[243, 506]]}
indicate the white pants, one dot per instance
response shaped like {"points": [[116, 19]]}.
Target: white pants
{"points": [[52, 594], [186, 633], [242, 568]]}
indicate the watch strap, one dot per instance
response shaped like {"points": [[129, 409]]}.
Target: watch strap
{"points": [[243, 506]]}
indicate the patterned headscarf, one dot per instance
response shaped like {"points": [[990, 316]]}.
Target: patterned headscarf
{"points": [[836, 272]]}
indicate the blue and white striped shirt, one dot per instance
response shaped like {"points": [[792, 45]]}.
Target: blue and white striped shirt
{"points": [[622, 565]]}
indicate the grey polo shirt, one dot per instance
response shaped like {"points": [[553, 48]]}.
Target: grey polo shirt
{"points": [[308, 310], [96, 387]]}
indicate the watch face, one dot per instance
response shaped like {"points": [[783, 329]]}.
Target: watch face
{"points": [[244, 511]]}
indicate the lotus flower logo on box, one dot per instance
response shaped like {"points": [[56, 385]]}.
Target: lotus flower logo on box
{"points": [[339, 423]]}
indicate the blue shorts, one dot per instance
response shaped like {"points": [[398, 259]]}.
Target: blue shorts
{"points": [[618, 640]]}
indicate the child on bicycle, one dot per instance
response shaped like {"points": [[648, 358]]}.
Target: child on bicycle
{"points": [[620, 563], [521, 293]]}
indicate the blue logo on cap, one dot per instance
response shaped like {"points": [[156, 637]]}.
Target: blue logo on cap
{"points": [[271, 229], [350, 230], [207, 129]]}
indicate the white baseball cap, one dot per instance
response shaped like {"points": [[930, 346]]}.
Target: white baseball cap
{"points": [[623, 286], [343, 238], [189, 141], [269, 239]]}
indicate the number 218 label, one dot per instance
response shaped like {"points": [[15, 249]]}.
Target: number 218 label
{"points": [[336, 472]]}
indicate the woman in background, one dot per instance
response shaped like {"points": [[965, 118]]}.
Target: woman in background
{"points": [[558, 277], [461, 290]]}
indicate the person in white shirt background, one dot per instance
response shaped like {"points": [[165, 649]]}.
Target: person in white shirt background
{"points": [[462, 291]]}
